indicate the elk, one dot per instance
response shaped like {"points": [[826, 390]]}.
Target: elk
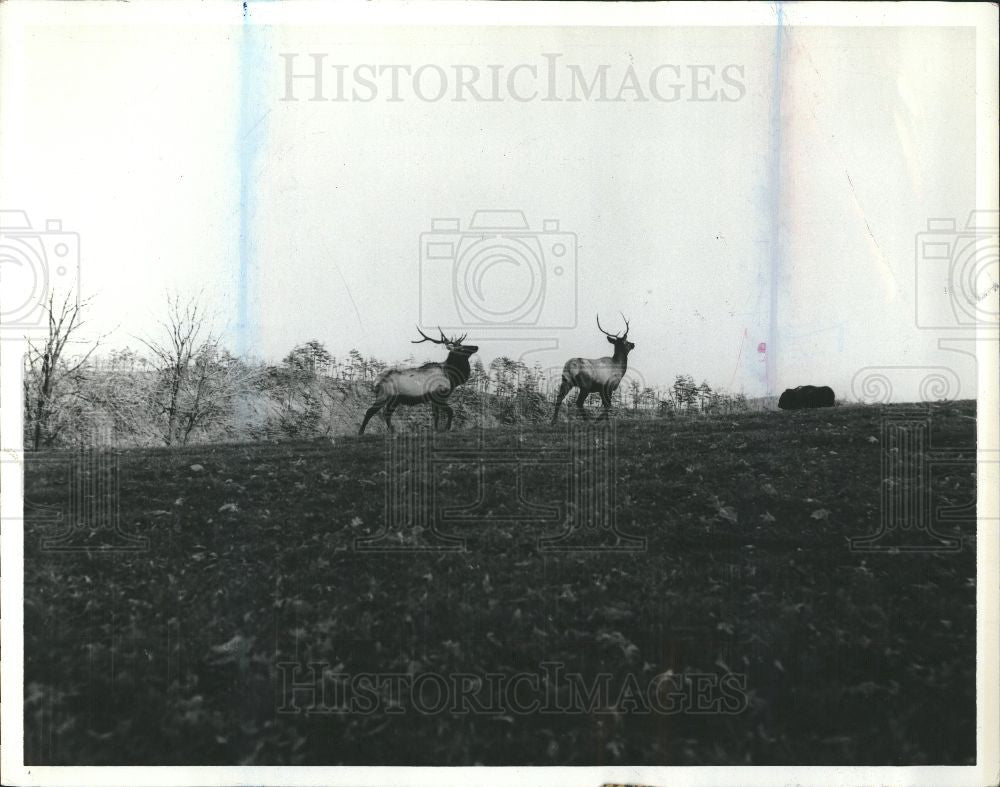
{"points": [[431, 382], [596, 375]]}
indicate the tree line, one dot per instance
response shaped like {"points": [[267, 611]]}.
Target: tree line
{"points": [[183, 386]]}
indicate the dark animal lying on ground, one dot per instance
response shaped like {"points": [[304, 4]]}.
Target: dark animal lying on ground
{"points": [[806, 396]]}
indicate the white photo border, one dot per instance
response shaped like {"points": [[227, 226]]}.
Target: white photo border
{"points": [[16, 18]]}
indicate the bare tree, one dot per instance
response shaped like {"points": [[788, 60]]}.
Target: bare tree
{"points": [[301, 389], [685, 392], [195, 372], [122, 387], [50, 379], [215, 381], [635, 391], [704, 393]]}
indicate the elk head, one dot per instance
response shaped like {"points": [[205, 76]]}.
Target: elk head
{"points": [[453, 345], [621, 343]]}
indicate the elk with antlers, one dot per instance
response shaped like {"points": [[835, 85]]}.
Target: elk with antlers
{"points": [[596, 375], [431, 382]]}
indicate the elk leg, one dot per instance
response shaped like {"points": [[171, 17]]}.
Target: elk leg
{"points": [[606, 401], [581, 399], [564, 388], [390, 408], [371, 411]]}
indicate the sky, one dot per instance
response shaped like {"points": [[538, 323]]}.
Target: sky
{"points": [[754, 204]]}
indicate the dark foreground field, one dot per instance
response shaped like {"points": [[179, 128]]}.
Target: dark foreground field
{"points": [[745, 630]]}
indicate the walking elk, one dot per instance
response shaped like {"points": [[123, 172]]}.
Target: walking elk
{"points": [[431, 382], [596, 375]]}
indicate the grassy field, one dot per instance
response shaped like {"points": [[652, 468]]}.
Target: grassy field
{"points": [[780, 643]]}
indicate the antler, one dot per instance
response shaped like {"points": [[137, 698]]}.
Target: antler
{"points": [[612, 335], [442, 340]]}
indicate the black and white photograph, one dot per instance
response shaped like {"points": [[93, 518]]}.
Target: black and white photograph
{"points": [[548, 393]]}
